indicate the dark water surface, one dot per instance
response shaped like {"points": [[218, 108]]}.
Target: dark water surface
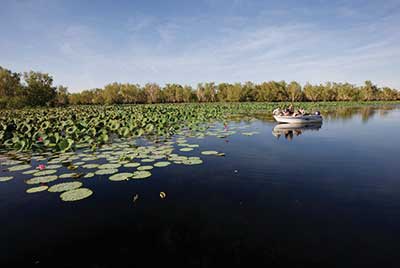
{"points": [[328, 197]]}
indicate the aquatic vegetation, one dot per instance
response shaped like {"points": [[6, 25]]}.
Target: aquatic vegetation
{"points": [[162, 164], [141, 174], [19, 167], [65, 186], [75, 195], [144, 168], [37, 189], [106, 171], [209, 152], [43, 179], [6, 178], [120, 176]]}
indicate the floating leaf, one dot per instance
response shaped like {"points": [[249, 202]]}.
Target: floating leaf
{"points": [[19, 167], [90, 166], [141, 174], [145, 168], [132, 165], [37, 189], [66, 186], [120, 177], [45, 172], [106, 171], [209, 152], [75, 195], [186, 149], [109, 166], [89, 175], [162, 164], [68, 175], [43, 179], [6, 178]]}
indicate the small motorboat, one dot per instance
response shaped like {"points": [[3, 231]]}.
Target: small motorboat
{"points": [[300, 119]]}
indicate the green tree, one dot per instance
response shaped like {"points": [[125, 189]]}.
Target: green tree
{"points": [[61, 96], [294, 91], [152, 91], [369, 91], [38, 89]]}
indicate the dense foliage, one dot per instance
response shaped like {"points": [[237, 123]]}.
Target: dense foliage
{"points": [[63, 129], [36, 89]]}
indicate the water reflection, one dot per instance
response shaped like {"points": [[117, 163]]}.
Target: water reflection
{"points": [[291, 130]]}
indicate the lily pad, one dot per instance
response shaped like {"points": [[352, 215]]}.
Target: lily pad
{"points": [[186, 149], [209, 152], [68, 175], [89, 175], [89, 166], [66, 186], [106, 171], [42, 179], [192, 162], [120, 177], [141, 174], [162, 164], [145, 168], [45, 172], [132, 165], [19, 167], [53, 166], [6, 178], [31, 171], [109, 166], [148, 160], [75, 195], [37, 189]]}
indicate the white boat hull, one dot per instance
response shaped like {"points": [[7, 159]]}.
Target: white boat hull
{"points": [[298, 119]]}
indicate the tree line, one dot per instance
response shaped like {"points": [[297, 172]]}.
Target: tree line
{"points": [[36, 89]]}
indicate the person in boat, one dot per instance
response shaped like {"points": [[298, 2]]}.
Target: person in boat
{"points": [[299, 112]]}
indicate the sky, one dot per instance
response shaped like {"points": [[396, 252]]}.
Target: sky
{"points": [[87, 44]]}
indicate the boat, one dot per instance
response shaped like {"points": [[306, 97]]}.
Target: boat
{"points": [[300, 119]]}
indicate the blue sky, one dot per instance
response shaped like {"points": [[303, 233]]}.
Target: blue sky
{"points": [[87, 44]]}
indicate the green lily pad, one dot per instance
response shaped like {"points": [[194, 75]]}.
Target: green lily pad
{"points": [[75, 195], [120, 177], [132, 165], [106, 171], [186, 149], [90, 166], [162, 164], [89, 175], [31, 171], [42, 179], [6, 178], [66, 186], [145, 168], [53, 166], [45, 172], [37, 189], [68, 175], [109, 166], [19, 167], [192, 162], [141, 174], [148, 160], [209, 152]]}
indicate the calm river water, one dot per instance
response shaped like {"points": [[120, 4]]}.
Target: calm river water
{"points": [[326, 196]]}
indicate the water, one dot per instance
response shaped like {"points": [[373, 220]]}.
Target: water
{"points": [[329, 197]]}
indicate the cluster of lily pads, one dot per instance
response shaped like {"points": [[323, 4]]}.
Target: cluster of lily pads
{"points": [[66, 129], [66, 172]]}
